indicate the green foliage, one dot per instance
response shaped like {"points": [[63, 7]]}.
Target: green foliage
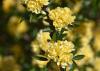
{"points": [[41, 57], [78, 57], [73, 66]]}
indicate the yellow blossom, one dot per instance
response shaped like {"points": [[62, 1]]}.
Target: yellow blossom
{"points": [[88, 53], [60, 52], [17, 28], [8, 4], [35, 46], [85, 34], [20, 6], [36, 6], [78, 5], [61, 17], [22, 28], [43, 38]]}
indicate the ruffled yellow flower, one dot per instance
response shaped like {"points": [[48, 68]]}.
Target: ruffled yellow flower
{"points": [[36, 6], [61, 17], [60, 52], [43, 38]]}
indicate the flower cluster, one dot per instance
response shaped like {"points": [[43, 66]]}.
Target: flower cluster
{"points": [[43, 38], [61, 17], [60, 52], [35, 6]]}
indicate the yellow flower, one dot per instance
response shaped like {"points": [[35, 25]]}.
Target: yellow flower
{"points": [[36, 6], [60, 52], [76, 8], [88, 53], [22, 27], [35, 46], [85, 34], [8, 4], [43, 38], [61, 17], [20, 6], [17, 28], [85, 37]]}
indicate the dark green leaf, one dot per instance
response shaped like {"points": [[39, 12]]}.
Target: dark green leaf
{"points": [[54, 37], [62, 30], [73, 66], [98, 54], [78, 57], [41, 57], [47, 30]]}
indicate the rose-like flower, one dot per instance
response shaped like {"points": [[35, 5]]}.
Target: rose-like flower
{"points": [[60, 52], [36, 6], [61, 17]]}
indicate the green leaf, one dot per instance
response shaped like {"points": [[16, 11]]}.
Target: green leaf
{"points": [[54, 37], [77, 43], [62, 30], [41, 57], [98, 54], [73, 66], [78, 57], [47, 30], [34, 32]]}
